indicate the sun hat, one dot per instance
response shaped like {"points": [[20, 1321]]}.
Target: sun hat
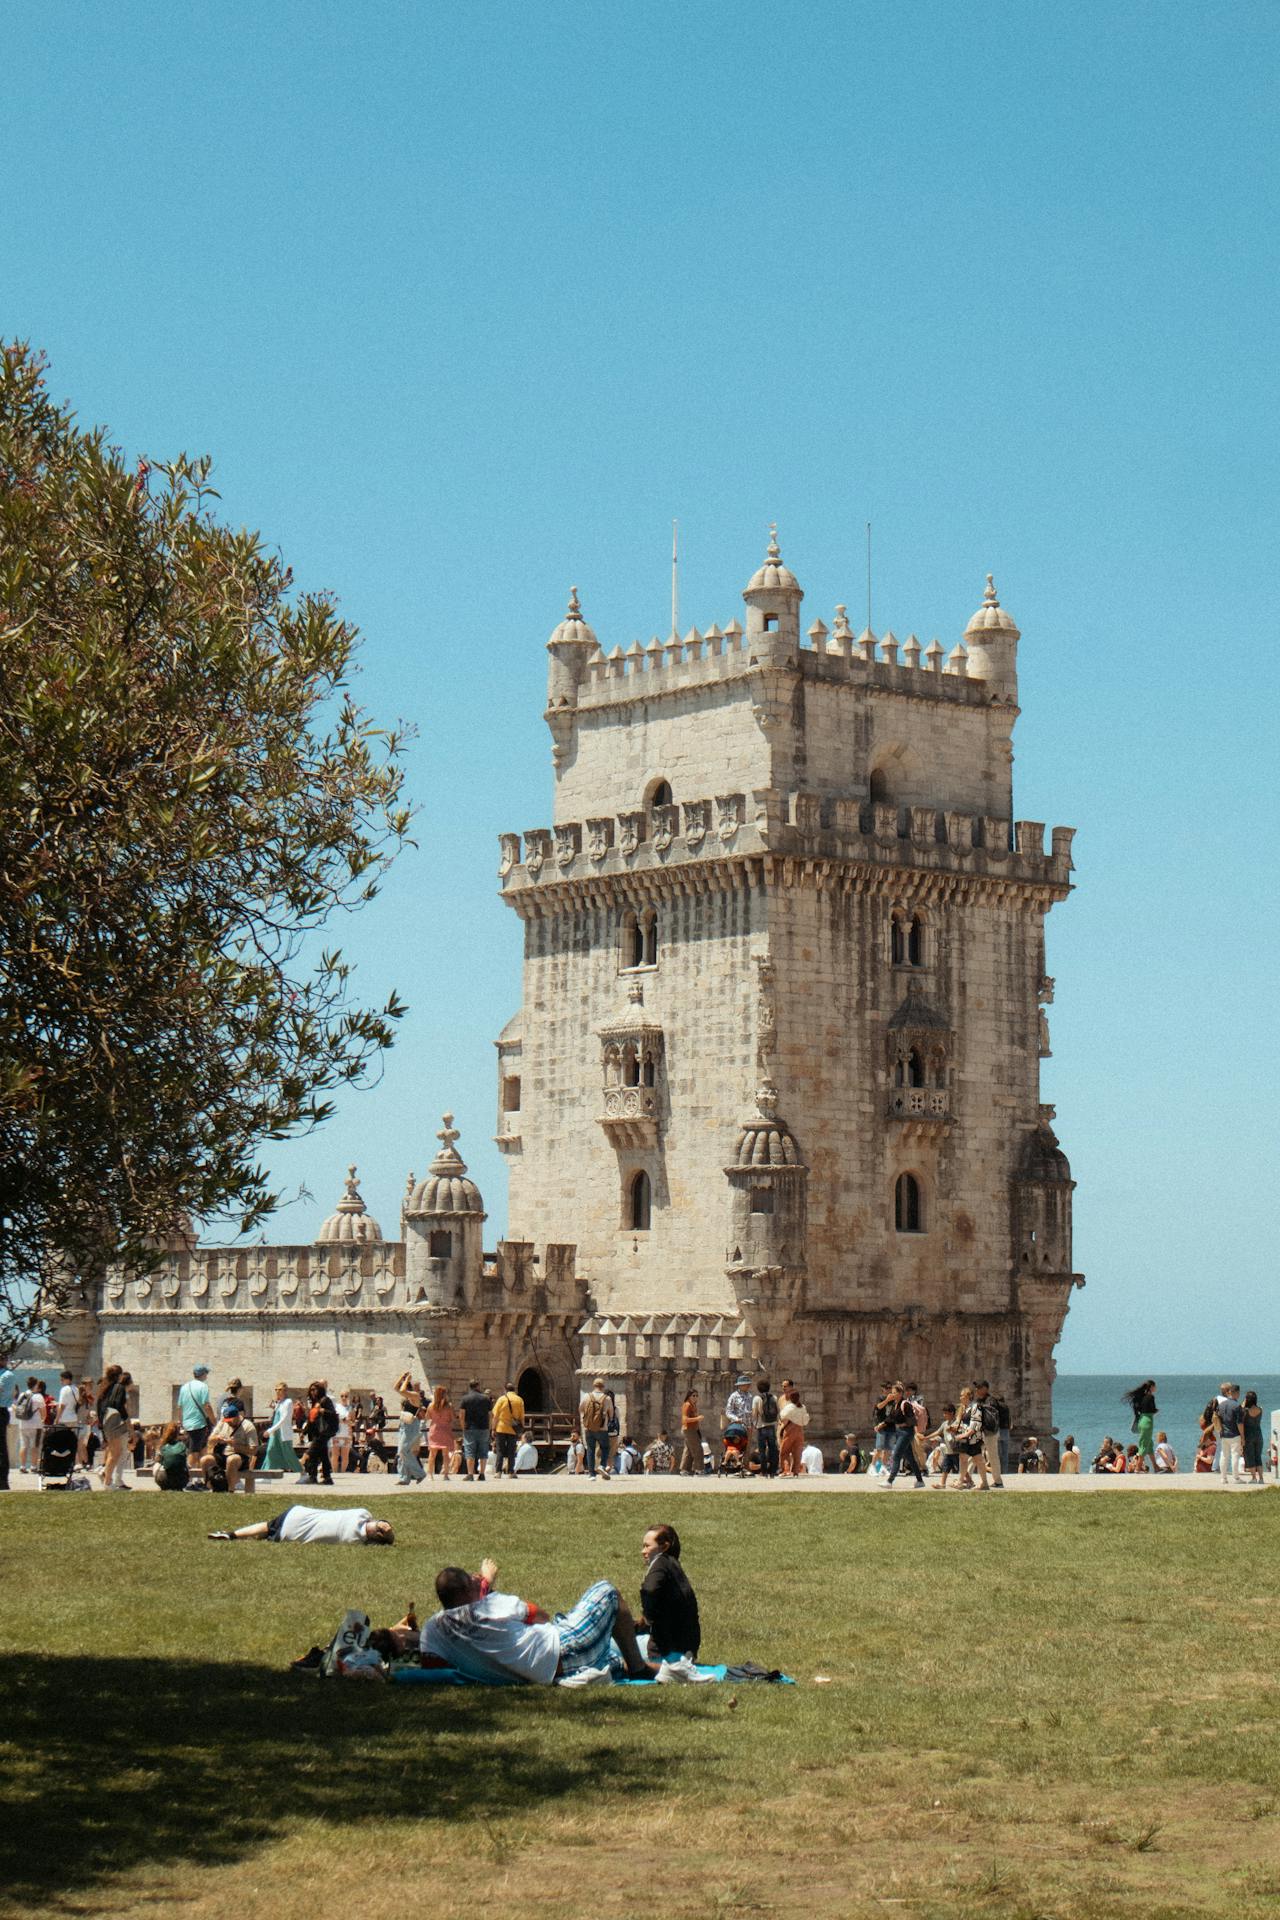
{"points": [[200, 1370]]}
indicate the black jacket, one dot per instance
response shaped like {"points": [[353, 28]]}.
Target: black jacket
{"points": [[671, 1608]]}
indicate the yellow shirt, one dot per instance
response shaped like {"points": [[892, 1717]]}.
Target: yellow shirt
{"points": [[508, 1413]]}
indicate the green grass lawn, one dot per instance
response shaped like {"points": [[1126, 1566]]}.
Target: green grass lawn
{"points": [[1037, 1706]]}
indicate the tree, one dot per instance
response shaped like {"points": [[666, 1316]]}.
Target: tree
{"points": [[188, 794]]}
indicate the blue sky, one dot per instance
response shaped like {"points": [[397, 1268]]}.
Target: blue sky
{"points": [[467, 303]]}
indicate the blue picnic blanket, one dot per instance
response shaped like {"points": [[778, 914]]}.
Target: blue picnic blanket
{"points": [[409, 1676]]}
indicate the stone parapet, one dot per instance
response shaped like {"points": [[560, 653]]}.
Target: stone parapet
{"points": [[876, 839], [665, 668]]}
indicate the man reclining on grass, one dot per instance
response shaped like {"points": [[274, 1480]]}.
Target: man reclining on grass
{"points": [[496, 1636], [342, 1526]]}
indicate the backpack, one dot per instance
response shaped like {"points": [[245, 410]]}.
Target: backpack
{"points": [[768, 1409], [23, 1405], [990, 1416]]}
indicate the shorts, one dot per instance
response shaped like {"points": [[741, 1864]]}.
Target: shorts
{"points": [[951, 1463], [195, 1438], [274, 1525], [586, 1631], [475, 1443]]}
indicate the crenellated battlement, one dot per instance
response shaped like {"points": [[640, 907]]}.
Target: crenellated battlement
{"points": [[797, 826], [700, 659], [319, 1279]]}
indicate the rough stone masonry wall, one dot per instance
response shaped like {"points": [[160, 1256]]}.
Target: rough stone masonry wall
{"points": [[701, 740], [568, 1181], [837, 991], [933, 753]]}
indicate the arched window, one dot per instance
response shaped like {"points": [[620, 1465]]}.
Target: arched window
{"points": [[651, 940], [630, 1067], [640, 1197], [880, 786], [908, 1214], [632, 941], [910, 1072], [661, 795], [906, 941], [650, 1070]]}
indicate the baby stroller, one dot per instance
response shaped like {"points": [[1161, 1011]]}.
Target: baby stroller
{"points": [[57, 1459], [734, 1457]]}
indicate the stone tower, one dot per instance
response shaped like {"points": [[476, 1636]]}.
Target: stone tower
{"points": [[783, 878]]}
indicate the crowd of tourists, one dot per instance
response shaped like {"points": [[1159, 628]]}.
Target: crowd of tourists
{"points": [[216, 1442]]}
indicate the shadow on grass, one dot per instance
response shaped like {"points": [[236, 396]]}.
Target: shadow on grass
{"points": [[113, 1764]]}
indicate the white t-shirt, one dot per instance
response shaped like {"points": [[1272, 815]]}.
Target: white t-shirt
{"points": [[68, 1406], [1166, 1458], [811, 1460], [35, 1417], [343, 1412], [625, 1462], [344, 1528], [526, 1457], [494, 1637]]}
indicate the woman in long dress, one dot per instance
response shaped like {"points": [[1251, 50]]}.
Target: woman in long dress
{"points": [[279, 1455], [1142, 1404], [1251, 1431], [793, 1418]]}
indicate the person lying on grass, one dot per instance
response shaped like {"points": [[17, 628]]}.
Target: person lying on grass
{"points": [[497, 1636], [341, 1526]]}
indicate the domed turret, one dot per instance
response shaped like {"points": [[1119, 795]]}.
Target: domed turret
{"points": [[768, 1183], [350, 1224], [443, 1223], [1043, 1158], [991, 638], [773, 596], [446, 1189], [765, 1139], [572, 647], [1042, 1191]]}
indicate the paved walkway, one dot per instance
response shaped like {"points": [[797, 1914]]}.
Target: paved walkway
{"points": [[365, 1489]]}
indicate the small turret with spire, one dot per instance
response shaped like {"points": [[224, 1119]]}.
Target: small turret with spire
{"points": [[991, 638], [773, 596]]}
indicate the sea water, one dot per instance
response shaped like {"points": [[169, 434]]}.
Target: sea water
{"points": [[1089, 1405]]}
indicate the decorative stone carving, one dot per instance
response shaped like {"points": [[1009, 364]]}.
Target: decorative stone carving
{"points": [[537, 846], [630, 832], [599, 838], [697, 819], [666, 824], [728, 815], [918, 1046], [568, 844], [632, 1052], [509, 853]]}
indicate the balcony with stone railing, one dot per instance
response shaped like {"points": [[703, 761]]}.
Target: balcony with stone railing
{"points": [[925, 1110]]}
